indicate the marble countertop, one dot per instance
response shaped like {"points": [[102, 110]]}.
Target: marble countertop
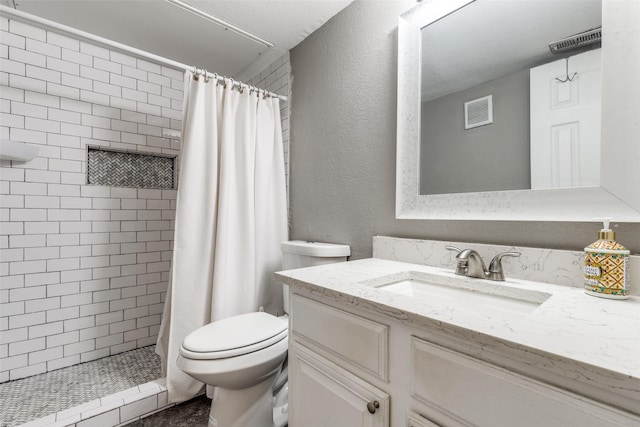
{"points": [[592, 341]]}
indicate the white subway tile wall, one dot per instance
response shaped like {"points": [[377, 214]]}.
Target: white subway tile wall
{"points": [[276, 78], [83, 269]]}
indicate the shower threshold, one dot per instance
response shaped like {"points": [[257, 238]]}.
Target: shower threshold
{"points": [[112, 391]]}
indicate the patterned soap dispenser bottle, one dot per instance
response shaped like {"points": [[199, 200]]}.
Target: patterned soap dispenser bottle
{"points": [[606, 266]]}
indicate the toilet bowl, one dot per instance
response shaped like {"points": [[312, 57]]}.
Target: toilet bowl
{"points": [[242, 356]]}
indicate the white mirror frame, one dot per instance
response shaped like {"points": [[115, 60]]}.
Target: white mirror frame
{"points": [[619, 194]]}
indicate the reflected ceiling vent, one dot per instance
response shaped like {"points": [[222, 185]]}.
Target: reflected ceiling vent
{"points": [[478, 112], [577, 41]]}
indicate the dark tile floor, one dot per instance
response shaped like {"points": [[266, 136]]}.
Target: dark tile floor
{"points": [[193, 413]]}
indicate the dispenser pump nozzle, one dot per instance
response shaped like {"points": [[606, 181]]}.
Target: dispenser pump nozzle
{"points": [[606, 233]]}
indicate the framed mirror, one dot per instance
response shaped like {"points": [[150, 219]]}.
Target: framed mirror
{"points": [[449, 167]]}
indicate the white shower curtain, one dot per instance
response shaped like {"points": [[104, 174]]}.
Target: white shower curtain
{"points": [[231, 217]]}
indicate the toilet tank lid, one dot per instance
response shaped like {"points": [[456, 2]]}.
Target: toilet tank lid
{"points": [[316, 249]]}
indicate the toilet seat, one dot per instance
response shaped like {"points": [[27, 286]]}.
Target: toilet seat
{"points": [[234, 336]]}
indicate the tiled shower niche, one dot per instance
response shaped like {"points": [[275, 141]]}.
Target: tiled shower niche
{"points": [[130, 169]]}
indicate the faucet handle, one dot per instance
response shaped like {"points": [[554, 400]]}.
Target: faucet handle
{"points": [[453, 248], [495, 271], [462, 265]]}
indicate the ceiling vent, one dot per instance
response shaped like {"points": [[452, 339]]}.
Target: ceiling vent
{"points": [[478, 112], [576, 41]]}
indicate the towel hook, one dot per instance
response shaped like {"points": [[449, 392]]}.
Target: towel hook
{"points": [[567, 79]]}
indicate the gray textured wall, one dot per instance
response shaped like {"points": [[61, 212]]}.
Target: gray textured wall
{"points": [[343, 128], [486, 158]]}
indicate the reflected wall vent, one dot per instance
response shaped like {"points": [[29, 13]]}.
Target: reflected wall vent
{"points": [[478, 112]]}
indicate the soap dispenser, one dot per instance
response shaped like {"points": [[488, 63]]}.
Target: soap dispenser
{"points": [[606, 266]]}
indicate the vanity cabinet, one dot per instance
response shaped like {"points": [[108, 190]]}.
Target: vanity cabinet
{"points": [[350, 366], [332, 353]]}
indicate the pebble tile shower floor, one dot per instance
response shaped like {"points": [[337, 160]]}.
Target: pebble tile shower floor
{"points": [[40, 395]]}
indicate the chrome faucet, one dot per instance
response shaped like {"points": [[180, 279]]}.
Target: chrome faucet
{"points": [[471, 264]]}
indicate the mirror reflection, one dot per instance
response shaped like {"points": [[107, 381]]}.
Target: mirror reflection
{"points": [[499, 109]]}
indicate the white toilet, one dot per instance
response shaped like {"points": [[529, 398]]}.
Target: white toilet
{"points": [[243, 355]]}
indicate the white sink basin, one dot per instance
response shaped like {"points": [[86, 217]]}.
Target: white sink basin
{"points": [[483, 298]]}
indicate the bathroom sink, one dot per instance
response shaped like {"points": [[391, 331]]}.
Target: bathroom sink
{"points": [[483, 298]]}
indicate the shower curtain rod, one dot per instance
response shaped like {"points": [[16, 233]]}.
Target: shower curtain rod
{"points": [[123, 47]]}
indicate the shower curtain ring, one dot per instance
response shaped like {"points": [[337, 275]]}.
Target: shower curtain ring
{"points": [[195, 73], [215, 76], [206, 77]]}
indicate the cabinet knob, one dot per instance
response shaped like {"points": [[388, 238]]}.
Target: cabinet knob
{"points": [[372, 406]]}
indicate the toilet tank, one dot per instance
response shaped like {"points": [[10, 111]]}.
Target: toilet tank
{"points": [[299, 254]]}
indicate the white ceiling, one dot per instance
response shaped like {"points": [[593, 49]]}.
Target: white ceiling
{"points": [[493, 38], [166, 30]]}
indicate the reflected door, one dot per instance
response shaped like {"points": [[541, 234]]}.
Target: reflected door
{"points": [[565, 123]]}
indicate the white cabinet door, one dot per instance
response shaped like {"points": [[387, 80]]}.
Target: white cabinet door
{"points": [[416, 420], [470, 392], [322, 394]]}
